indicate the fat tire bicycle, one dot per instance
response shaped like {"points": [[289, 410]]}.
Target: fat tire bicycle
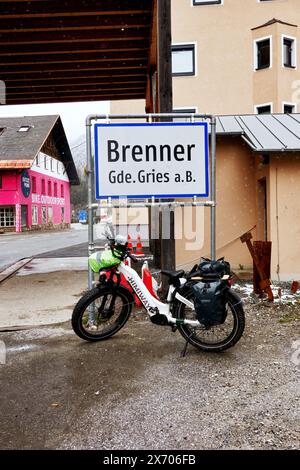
{"points": [[103, 311]]}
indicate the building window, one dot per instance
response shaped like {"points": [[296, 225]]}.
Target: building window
{"points": [[263, 53], [264, 108], [288, 108], [7, 217], [44, 215], [207, 2], [49, 188], [62, 192], [33, 179], [55, 190], [289, 52], [46, 162], [24, 128], [37, 160], [50, 214], [34, 214], [183, 60], [0, 181], [62, 215], [183, 111], [43, 191]]}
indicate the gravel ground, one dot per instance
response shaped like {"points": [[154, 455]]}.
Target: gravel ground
{"points": [[135, 391]]}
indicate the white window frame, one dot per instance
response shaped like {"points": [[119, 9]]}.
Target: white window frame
{"points": [[34, 210], [208, 3], [6, 214], [289, 104], [294, 57], [44, 212], [255, 56], [182, 44], [262, 105]]}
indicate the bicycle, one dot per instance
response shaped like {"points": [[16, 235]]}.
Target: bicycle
{"points": [[103, 311]]}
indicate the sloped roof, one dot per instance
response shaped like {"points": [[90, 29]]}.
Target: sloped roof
{"points": [[19, 149], [272, 21], [264, 132]]}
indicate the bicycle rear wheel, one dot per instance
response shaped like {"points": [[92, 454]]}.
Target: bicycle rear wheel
{"points": [[101, 313], [215, 338]]}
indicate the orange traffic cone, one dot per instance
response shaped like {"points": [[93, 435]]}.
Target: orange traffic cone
{"points": [[139, 246], [129, 243]]}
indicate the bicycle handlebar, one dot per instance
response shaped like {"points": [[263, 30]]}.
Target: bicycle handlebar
{"points": [[133, 258]]}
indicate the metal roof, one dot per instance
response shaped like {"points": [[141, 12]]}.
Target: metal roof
{"points": [[73, 50], [19, 149], [264, 132]]}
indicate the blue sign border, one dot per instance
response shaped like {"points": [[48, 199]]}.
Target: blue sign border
{"points": [[161, 196]]}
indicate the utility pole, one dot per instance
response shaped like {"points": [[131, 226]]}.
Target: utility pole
{"points": [[165, 103]]}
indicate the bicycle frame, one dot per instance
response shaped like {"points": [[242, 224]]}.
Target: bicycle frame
{"points": [[152, 305]]}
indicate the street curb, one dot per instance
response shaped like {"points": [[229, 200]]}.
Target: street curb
{"points": [[11, 270]]}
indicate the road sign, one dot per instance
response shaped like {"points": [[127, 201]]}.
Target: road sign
{"points": [[158, 159]]}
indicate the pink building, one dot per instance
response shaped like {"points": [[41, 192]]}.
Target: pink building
{"points": [[36, 171]]}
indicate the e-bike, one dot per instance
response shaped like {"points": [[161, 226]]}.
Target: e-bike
{"points": [[103, 311]]}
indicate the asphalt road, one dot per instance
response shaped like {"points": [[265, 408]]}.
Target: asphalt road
{"points": [[25, 245]]}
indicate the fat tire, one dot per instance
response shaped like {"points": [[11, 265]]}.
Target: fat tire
{"points": [[87, 299], [236, 306]]}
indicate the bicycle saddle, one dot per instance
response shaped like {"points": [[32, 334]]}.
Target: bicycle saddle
{"points": [[173, 275]]}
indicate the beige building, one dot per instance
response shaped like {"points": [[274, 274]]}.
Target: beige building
{"points": [[235, 56], [239, 57]]}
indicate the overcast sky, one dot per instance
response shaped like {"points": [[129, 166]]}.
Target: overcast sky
{"points": [[73, 114]]}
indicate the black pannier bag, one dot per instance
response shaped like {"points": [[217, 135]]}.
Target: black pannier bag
{"points": [[214, 269], [210, 302]]}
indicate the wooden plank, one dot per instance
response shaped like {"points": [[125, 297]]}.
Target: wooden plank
{"points": [[165, 101], [58, 37], [265, 282], [122, 47], [263, 251], [74, 90], [138, 57], [54, 84], [69, 67], [81, 98], [78, 75], [42, 9], [11, 270], [72, 24]]}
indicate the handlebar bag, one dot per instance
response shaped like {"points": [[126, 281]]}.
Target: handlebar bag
{"points": [[210, 302]]}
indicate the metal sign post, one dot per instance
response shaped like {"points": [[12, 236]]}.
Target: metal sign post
{"points": [[147, 133]]}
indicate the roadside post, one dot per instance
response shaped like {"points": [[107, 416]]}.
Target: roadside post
{"points": [[151, 160]]}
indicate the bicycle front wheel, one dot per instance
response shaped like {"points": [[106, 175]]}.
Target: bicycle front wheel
{"points": [[215, 338], [101, 313]]}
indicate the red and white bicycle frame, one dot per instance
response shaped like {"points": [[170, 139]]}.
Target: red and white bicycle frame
{"points": [[150, 301]]}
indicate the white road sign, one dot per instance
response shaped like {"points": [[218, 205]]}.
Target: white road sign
{"points": [[145, 160]]}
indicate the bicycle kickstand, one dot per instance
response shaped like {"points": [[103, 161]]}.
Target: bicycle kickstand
{"points": [[183, 352]]}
